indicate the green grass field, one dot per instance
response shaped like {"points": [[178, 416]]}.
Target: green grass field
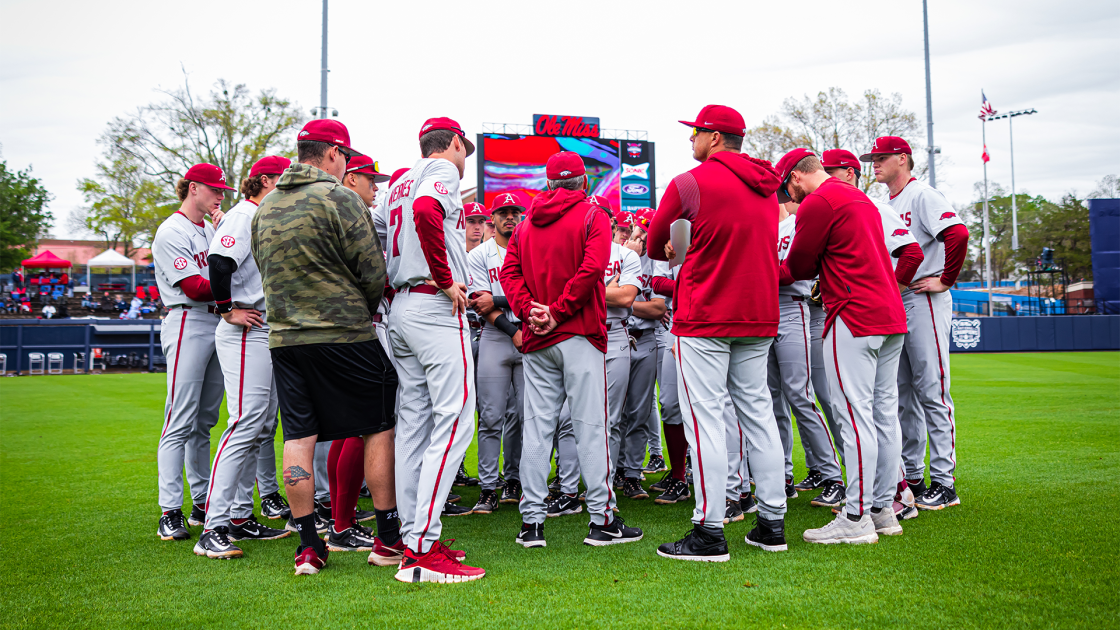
{"points": [[1034, 543]]}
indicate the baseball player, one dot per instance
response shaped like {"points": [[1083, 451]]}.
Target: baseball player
{"points": [[241, 341], [674, 486], [551, 275], [656, 463], [477, 215], [622, 277], [723, 339], [840, 236], [194, 377], [925, 405], [430, 337], [500, 374]]}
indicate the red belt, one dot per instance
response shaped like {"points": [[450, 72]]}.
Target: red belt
{"points": [[637, 332], [377, 318], [424, 289], [793, 298], [209, 308], [475, 324]]}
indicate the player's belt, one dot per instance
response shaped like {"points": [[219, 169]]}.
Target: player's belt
{"points": [[474, 324], [425, 289], [791, 298], [209, 307], [637, 332], [377, 318]]}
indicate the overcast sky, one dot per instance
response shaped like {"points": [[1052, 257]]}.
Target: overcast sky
{"points": [[69, 67]]}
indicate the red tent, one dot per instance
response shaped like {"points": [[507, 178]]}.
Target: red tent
{"points": [[48, 260]]}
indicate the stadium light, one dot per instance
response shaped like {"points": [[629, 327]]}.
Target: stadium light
{"points": [[1014, 208]]}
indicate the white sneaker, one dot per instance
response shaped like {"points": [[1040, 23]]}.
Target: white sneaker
{"points": [[843, 530], [886, 522]]}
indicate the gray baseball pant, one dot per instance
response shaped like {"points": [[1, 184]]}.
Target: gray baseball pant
{"points": [[322, 480], [618, 381], [819, 376], [266, 460], [667, 382], [863, 379], [194, 400], [925, 405], [638, 405], [710, 369], [500, 374], [435, 409], [252, 402], [572, 371], [738, 471], [567, 455], [511, 432]]}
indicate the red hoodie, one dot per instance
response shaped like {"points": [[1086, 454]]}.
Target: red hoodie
{"points": [[728, 284], [557, 258]]}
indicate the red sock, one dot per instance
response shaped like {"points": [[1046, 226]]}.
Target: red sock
{"points": [[348, 473], [332, 463], [677, 446]]}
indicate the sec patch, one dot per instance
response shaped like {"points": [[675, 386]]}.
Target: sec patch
{"points": [[228, 241], [180, 263], [440, 188]]}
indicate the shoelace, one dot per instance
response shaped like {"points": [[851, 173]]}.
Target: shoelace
{"points": [[444, 547], [222, 536], [176, 520]]}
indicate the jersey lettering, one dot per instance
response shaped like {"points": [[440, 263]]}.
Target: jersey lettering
{"points": [[396, 217], [783, 244], [493, 273], [613, 269], [460, 223], [200, 259], [905, 218]]}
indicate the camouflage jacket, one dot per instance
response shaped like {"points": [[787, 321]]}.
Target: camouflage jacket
{"points": [[320, 260]]}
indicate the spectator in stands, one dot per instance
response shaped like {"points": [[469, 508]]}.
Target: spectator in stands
{"points": [[87, 303], [17, 278], [48, 311], [63, 311], [134, 308], [120, 304], [10, 305]]}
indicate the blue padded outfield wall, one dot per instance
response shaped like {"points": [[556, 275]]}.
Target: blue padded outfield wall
{"points": [[1104, 234], [1035, 334]]}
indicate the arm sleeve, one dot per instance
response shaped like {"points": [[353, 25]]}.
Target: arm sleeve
{"points": [[503, 324], [814, 218], [663, 286], [221, 276], [513, 282], [364, 256], [631, 270], [956, 246], [501, 302], [596, 255], [910, 257], [429, 216], [197, 288], [667, 212], [785, 278]]}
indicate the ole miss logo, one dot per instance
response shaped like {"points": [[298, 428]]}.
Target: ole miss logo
{"points": [[948, 215], [180, 263], [902, 232], [228, 241], [440, 188]]}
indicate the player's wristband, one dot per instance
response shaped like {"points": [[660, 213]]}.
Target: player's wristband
{"points": [[501, 302], [222, 308], [503, 324]]}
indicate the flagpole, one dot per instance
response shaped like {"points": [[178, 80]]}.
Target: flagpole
{"points": [[987, 242]]}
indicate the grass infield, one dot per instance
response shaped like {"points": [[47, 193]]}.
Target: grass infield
{"points": [[1032, 544]]}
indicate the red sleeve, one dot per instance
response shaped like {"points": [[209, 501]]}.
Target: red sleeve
{"points": [[814, 218], [513, 280], [197, 288], [597, 254], [784, 277], [668, 211], [910, 257], [663, 286], [428, 214], [955, 238]]}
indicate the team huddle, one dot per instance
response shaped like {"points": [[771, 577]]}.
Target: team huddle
{"points": [[373, 324]]}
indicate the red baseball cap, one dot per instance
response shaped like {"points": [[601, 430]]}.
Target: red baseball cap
{"points": [[644, 216], [719, 118], [602, 202], [839, 158], [886, 144], [207, 174], [366, 164], [564, 165], [513, 199], [475, 209], [329, 131], [397, 175], [625, 219], [436, 124], [785, 166], [270, 165]]}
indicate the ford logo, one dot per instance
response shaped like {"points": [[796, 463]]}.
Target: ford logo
{"points": [[635, 189]]}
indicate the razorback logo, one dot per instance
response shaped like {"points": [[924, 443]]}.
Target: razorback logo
{"points": [[440, 188], [510, 200], [228, 241], [901, 232], [948, 215], [180, 263]]}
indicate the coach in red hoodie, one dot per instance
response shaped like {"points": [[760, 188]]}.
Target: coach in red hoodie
{"points": [[725, 319], [840, 235], [553, 278]]}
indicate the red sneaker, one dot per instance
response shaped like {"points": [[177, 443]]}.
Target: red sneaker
{"points": [[438, 565], [386, 555], [308, 562]]}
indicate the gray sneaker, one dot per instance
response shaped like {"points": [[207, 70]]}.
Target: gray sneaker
{"points": [[842, 530], [886, 522]]}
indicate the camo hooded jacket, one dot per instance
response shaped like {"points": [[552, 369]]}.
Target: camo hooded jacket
{"points": [[320, 260]]}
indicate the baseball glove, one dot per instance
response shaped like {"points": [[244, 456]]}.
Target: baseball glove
{"points": [[815, 293]]}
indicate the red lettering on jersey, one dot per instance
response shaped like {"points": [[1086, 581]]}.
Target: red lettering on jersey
{"points": [[900, 232], [402, 189], [783, 244], [493, 273], [948, 215], [396, 216], [905, 218], [200, 259], [460, 224], [613, 269]]}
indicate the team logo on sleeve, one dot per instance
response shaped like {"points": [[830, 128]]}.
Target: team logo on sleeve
{"points": [[228, 241], [440, 188], [180, 263], [948, 215], [900, 232]]}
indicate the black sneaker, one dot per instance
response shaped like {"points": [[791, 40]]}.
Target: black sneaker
{"points": [[631, 489], [917, 486], [512, 492], [832, 495], [463, 479], [274, 506], [453, 498], [747, 503], [368, 515], [323, 511], [733, 512], [252, 530], [688, 469], [353, 538], [216, 544], [678, 491], [487, 502], [661, 485], [939, 496], [768, 535], [501, 483], [364, 493], [321, 526], [615, 533], [450, 509], [563, 505], [172, 526], [583, 497], [702, 544], [554, 485], [791, 492], [197, 518], [618, 481], [531, 535], [811, 481], [656, 464]]}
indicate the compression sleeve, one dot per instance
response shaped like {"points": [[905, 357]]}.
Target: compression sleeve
{"points": [[663, 286], [197, 288], [910, 257], [955, 238], [501, 302], [221, 277]]}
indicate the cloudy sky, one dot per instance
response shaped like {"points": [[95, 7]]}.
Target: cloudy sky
{"points": [[69, 67]]}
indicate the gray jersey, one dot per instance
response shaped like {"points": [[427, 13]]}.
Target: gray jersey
{"points": [[787, 229], [380, 216], [661, 269], [645, 294], [627, 265], [484, 263], [926, 212], [439, 179], [895, 232], [232, 241], [179, 251]]}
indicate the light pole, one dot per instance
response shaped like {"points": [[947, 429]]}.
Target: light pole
{"points": [[1014, 209], [929, 104], [987, 241], [321, 110]]}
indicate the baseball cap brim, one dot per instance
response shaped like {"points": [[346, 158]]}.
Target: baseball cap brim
{"points": [[870, 157], [212, 184], [470, 145], [781, 192]]}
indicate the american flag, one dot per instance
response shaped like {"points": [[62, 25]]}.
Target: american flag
{"points": [[985, 107], [985, 156]]}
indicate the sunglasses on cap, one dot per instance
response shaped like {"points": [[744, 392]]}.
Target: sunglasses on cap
{"points": [[699, 130], [358, 168]]}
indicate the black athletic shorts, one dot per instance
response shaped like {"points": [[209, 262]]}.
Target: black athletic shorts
{"points": [[335, 390]]}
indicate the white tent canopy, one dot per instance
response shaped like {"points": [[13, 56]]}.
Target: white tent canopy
{"points": [[110, 258]]}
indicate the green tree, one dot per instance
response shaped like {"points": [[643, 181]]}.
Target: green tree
{"points": [[1064, 227], [1107, 188], [125, 205], [1006, 262], [23, 214]]}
